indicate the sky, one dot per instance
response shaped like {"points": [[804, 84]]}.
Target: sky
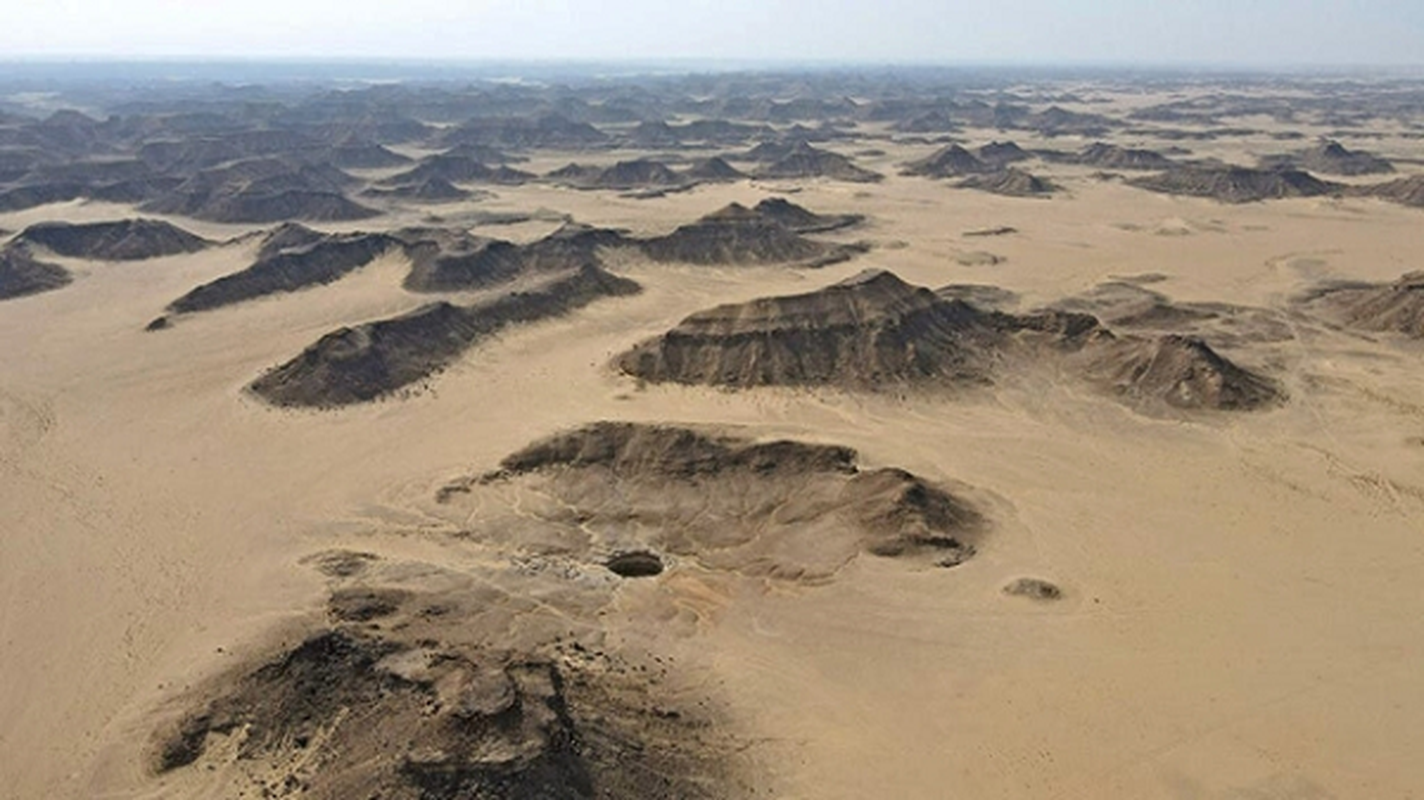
{"points": [[1255, 33]]}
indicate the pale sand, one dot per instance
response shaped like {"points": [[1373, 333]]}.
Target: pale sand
{"points": [[1242, 615]]}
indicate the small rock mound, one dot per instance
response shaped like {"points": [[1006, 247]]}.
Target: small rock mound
{"points": [[21, 274], [1111, 156], [1001, 154], [739, 235], [288, 236], [1331, 158], [362, 604], [806, 161], [640, 173], [1034, 589], [1396, 307], [802, 220], [465, 262], [1405, 191], [1236, 184], [770, 151], [124, 240], [1181, 371], [713, 170], [949, 162], [1010, 182], [369, 361]]}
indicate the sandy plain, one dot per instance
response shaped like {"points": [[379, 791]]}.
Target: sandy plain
{"points": [[1241, 614]]}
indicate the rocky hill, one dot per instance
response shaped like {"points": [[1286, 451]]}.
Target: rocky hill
{"points": [[362, 363], [739, 235], [22, 274], [122, 240], [1236, 184]]}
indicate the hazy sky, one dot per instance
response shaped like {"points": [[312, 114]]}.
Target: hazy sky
{"points": [[1244, 32]]}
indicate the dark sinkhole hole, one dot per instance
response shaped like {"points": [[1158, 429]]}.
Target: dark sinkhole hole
{"points": [[635, 564]]}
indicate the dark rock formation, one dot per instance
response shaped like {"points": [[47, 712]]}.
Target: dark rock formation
{"points": [[475, 263], [1405, 191], [288, 261], [264, 190], [713, 170], [420, 710], [1001, 154], [656, 474], [355, 153], [1010, 182], [1181, 371], [1111, 156], [1396, 307], [805, 161], [739, 235], [950, 161], [636, 174], [22, 274], [124, 240], [1236, 184], [1330, 158], [354, 365], [871, 331], [876, 332], [801, 220]]}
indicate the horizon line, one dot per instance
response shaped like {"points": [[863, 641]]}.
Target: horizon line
{"points": [[703, 62]]}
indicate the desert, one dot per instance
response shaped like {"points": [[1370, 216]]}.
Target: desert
{"points": [[784, 434]]}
